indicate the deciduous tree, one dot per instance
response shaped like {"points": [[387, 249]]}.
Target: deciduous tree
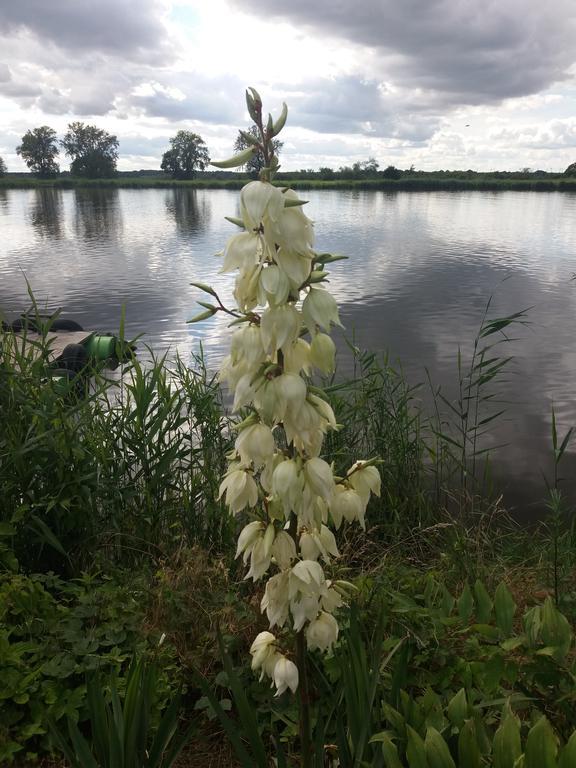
{"points": [[94, 152], [256, 163], [571, 170], [187, 153], [2, 168], [39, 150]]}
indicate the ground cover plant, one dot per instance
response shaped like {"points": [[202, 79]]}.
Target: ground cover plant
{"points": [[126, 624]]}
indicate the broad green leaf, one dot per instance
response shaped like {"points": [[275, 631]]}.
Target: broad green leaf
{"points": [[389, 750], [541, 746], [504, 607], [507, 746], [568, 754], [437, 750], [483, 603], [458, 708], [468, 749], [465, 603], [415, 750], [556, 631]]}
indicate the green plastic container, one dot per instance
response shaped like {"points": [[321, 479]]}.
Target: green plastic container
{"points": [[101, 347]]}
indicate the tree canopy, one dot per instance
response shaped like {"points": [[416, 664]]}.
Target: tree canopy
{"points": [[256, 163], [94, 152], [571, 170], [2, 168], [187, 153], [39, 150]]}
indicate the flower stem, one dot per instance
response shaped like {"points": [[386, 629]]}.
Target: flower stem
{"points": [[305, 736]]}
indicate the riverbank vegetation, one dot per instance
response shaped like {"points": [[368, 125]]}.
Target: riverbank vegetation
{"points": [[457, 181], [116, 550]]}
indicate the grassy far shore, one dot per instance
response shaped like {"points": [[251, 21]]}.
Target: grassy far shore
{"points": [[538, 181]]}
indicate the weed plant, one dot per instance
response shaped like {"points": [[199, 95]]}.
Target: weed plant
{"points": [[127, 468]]}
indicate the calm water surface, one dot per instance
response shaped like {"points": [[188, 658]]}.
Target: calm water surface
{"points": [[421, 269]]}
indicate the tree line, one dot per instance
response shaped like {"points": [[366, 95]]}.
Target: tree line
{"points": [[93, 154]]}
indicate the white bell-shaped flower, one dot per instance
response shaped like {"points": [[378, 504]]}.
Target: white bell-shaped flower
{"points": [[322, 632], [304, 608], [259, 200], [364, 479], [320, 308], [285, 675], [248, 537], [261, 555], [262, 648], [276, 598], [246, 288], [297, 357], [279, 326], [323, 353], [319, 477], [348, 504], [296, 267], [284, 550], [274, 286], [255, 444], [242, 251], [240, 489]]}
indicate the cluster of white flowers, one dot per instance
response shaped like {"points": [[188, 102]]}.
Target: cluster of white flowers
{"points": [[275, 473]]}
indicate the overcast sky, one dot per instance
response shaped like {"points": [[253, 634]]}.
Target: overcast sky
{"points": [[430, 83]]}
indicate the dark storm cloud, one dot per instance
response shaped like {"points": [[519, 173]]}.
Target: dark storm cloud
{"points": [[476, 52], [123, 27]]}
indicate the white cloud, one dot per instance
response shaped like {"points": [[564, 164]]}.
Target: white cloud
{"points": [[432, 82]]}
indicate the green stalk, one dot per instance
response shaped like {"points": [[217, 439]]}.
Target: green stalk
{"points": [[305, 735]]}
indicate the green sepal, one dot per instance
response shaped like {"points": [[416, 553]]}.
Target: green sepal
{"points": [[328, 258], [201, 316], [206, 288], [250, 138], [234, 220], [279, 124], [237, 160], [289, 203]]}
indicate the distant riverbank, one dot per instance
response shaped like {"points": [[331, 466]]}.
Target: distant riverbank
{"points": [[425, 183]]}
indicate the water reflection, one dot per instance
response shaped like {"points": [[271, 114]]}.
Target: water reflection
{"points": [[421, 268], [46, 212], [4, 200], [189, 213], [98, 214]]}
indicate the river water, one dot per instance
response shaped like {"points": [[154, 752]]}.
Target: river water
{"points": [[421, 269]]}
